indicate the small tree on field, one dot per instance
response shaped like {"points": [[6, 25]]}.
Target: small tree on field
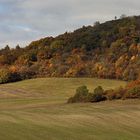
{"points": [[98, 95], [82, 95]]}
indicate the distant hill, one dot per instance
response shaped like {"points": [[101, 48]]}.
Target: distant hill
{"points": [[108, 50]]}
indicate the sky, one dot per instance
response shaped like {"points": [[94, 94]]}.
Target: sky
{"points": [[23, 21]]}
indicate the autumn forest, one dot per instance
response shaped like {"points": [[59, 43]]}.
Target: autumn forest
{"points": [[105, 50]]}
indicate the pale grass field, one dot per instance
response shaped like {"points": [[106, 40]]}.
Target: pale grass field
{"points": [[37, 110]]}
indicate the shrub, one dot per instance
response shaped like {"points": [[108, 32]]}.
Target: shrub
{"points": [[119, 93], [133, 84], [82, 95], [5, 76], [110, 94], [115, 94], [98, 95], [133, 92]]}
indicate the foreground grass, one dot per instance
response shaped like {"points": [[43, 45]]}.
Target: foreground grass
{"points": [[37, 110]]}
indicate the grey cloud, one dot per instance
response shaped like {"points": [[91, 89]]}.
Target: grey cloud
{"points": [[25, 20]]}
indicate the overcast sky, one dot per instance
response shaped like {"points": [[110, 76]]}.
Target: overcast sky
{"points": [[22, 21]]}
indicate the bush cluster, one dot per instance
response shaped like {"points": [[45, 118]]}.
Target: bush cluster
{"points": [[99, 94], [83, 95], [7, 75]]}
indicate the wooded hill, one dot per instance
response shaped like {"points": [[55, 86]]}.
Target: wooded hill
{"points": [[107, 50]]}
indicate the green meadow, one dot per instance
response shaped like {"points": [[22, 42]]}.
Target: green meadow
{"points": [[37, 110]]}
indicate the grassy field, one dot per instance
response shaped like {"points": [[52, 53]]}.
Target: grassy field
{"points": [[37, 110]]}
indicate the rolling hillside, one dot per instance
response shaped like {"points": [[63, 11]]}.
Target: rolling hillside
{"points": [[37, 110]]}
